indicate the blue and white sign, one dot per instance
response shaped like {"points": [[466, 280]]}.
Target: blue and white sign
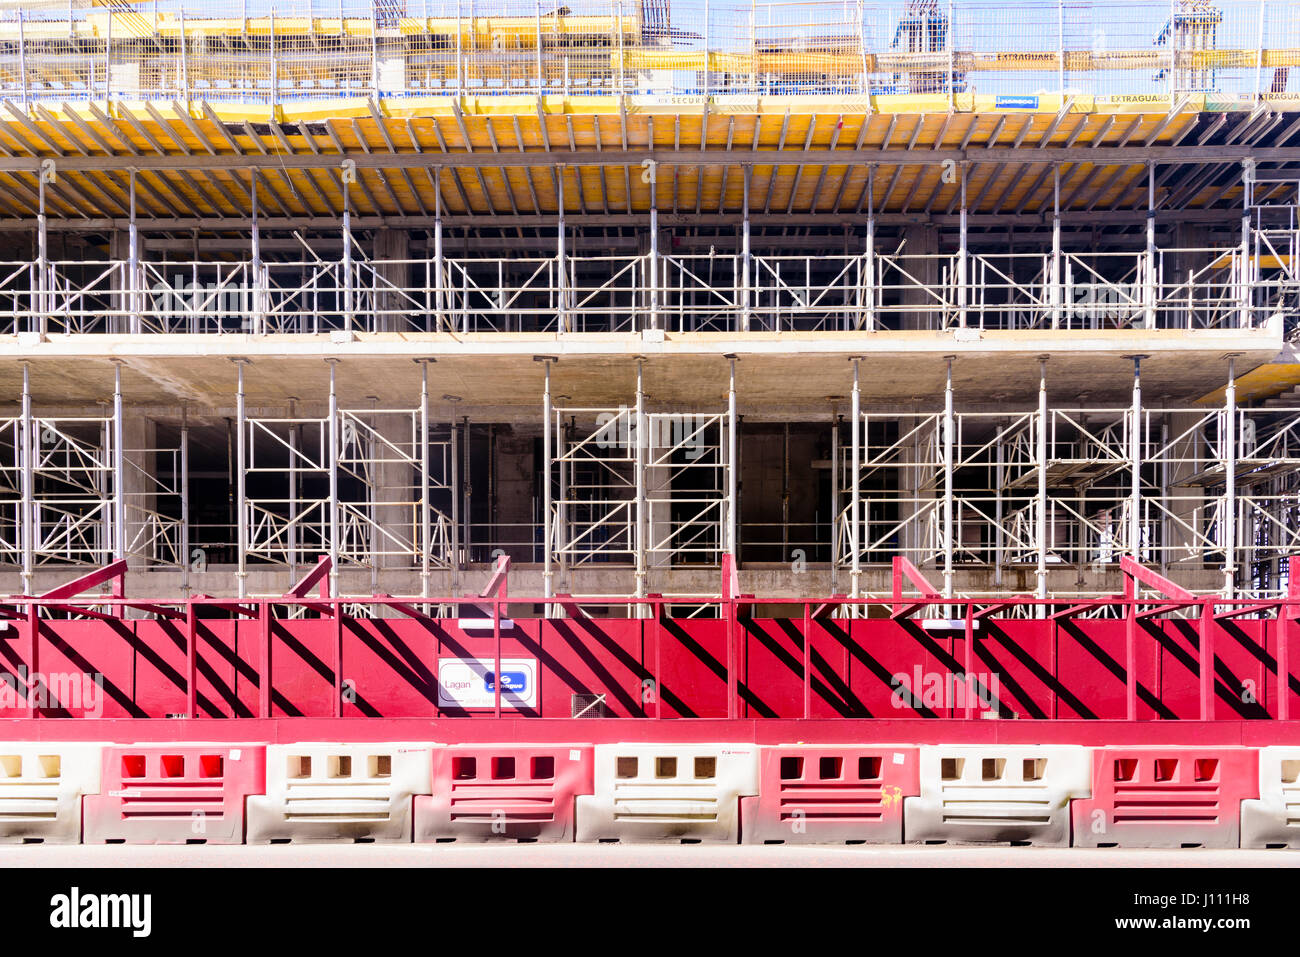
{"points": [[1016, 103], [471, 683]]}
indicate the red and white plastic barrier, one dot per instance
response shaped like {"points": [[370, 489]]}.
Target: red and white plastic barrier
{"points": [[41, 787], [668, 793], [174, 793], [830, 794], [327, 793], [1166, 797], [516, 792], [997, 794]]}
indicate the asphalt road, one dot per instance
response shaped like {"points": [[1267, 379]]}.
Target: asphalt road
{"points": [[623, 855]]}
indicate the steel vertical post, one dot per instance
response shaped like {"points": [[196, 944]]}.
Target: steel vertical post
{"points": [[746, 260], [949, 428], [1043, 524], [334, 483], [258, 317], [119, 467], [654, 256], [426, 515], [869, 281], [183, 485], [641, 439], [547, 530], [241, 465], [439, 269], [133, 260], [962, 255], [28, 446], [1135, 461], [347, 252], [1054, 295], [732, 463], [561, 260], [1149, 286], [1230, 482], [42, 258], [1247, 267], [454, 431], [855, 528]]}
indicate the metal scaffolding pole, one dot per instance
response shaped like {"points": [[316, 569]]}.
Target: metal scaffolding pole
{"points": [[653, 262], [255, 239], [291, 533], [241, 465], [182, 482], [1149, 285], [641, 439], [119, 467], [1135, 459], [746, 260], [1054, 294], [949, 428], [855, 573], [133, 261], [348, 174], [733, 445], [426, 517], [42, 254], [1247, 270], [962, 257], [999, 533], [1043, 524], [547, 528], [835, 497], [439, 278], [27, 513], [1230, 482], [455, 509], [561, 261], [334, 480], [869, 265]]}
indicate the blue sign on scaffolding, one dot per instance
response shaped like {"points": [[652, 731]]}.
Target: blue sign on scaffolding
{"points": [[1016, 103]]}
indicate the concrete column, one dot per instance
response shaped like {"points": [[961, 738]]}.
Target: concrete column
{"points": [[392, 249], [139, 487], [395, 494], [514, 511], [1185, 502], [918, 308], [119, 250]]}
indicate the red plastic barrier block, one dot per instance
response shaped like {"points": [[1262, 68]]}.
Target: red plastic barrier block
{"points": [[174, 794], [830, 794], [1166, 797], [510, 792]]}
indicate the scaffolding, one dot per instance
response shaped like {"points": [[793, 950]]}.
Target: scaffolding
{"points": [[297, 50]]}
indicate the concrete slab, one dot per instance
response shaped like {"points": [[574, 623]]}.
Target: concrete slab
{"points": [[790, 376]]}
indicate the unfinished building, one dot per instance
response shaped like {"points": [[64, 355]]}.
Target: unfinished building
{"points": [[617, 290]]}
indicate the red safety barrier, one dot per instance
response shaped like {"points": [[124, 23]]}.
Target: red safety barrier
{"points": [[511, 792], [830, 794], [1166, 797], [174, 794]]}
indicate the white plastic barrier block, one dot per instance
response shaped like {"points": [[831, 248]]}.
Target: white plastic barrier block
{"points": [[651, 793], [994, 794], [325, 793], [1274, 819], [41, 786]]}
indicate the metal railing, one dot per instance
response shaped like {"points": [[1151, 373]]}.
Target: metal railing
{"points": [[285, 50], [1166, 289]]}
